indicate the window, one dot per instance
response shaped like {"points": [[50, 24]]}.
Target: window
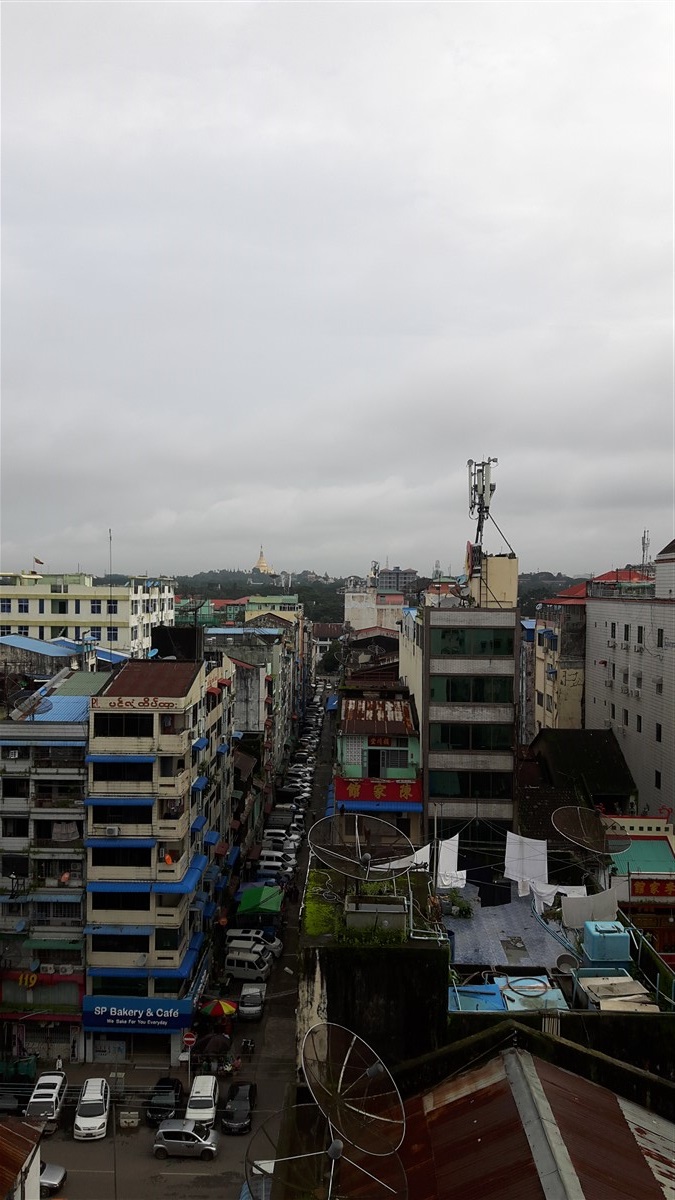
{"points": [[95, 606], [111, 607], [638, 723], [22, 630], [77, 633], [624, 678], [612, 711], [658, 732], [540, 699], [59, 607], [658, 684], [468, 689], [134, 632], [15, 827], [613, 670], [112, 633], [41, 606], [77, 608], [480, 785], [475, 642], [41, 632], [5, 604], [659, 639], [637, 679], [624, 716], [22, 606], [626, 633], [459, 736], [95, 632], [549, 703], [657, 780], [612, 629], [640, 635]]}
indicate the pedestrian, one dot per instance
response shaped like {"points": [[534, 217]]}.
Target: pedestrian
{"points": [[236, 1064], [59, 1063]]}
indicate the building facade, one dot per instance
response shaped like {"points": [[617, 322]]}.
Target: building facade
{"points": [[159, 734], [120, 618]]}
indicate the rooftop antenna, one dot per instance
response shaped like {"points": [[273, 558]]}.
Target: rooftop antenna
{"points": [[645, 551], [481, 491], [29, 704]]}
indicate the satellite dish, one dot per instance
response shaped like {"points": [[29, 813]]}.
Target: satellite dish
{"points": [[353, 1089], [297, 1155], [377, 849], [588, 828], [29, 704]]}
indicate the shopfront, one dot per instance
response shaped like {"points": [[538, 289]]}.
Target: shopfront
{"points": [[122, 1029]]}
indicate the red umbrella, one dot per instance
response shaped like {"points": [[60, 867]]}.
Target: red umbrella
{"points": [[219, 1008]]}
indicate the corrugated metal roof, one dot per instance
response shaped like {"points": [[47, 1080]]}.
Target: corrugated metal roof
{"points": [[84, 683], [389, 718], [143, 678], [18, 1143], [35, 645], [64, 708]]}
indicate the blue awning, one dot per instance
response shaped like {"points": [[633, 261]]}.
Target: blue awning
{"points": [[120, 930], [200, 783], [210, 909], [232, 857], [188, 964], [121, 886], [198, 823], [223, 748], [7, 899], [211, 873], [120, 758], [52, 745], [331, 704], [188, 883], [21, 925], [403, 806], [119, 801], [66, 896], [111, 656], [236, 733], [200, 744], [123, 843], [211, 838]]}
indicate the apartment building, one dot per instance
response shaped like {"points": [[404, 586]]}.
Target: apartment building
{"points": [[397, 579], [118, 617], [377, 768], [42, 870], [630, 677], [459, 659], [159, 733]]}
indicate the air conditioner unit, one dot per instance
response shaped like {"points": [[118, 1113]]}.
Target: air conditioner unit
{"points": [[611, 643], [609, 683], [624, 688], [64, 969], [112, 831], [48, 968], [637, 693], [625, 645], [13, 754], [638, 649]]}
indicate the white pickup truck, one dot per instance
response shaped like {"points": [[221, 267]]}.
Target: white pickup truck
{"points": [[252, 1001]]}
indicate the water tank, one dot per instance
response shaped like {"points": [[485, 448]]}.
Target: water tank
{"points": [[606, 942]]}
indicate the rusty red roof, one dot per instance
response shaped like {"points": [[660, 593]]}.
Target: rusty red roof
{"points": [[143, 678], [466, 1138], [389, 718], [18, 1142]]}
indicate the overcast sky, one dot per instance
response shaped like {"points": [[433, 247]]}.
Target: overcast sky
{"points": [[274, 272]]}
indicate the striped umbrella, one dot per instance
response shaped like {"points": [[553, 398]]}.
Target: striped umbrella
{"points": [[219, 1008]]}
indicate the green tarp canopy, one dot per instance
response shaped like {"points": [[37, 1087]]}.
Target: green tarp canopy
{"points": [[261, 900]]}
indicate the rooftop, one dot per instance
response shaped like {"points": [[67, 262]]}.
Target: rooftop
{"points": [[504, 935], [142, 678], [646, 855], [388, 718], [591, 758]]}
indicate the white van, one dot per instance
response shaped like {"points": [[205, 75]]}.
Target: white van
{"points": [[248, 965], [279, 859], [93, 1111], [255, 939], [250, 945], [203, 1100], [47, 1097]]}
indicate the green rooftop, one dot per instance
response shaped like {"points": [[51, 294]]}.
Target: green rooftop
{"points": [[645, 855]]}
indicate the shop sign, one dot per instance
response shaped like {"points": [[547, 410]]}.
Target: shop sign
{"points": [[649, 889], [131, 1013], [142, 703], [376, 740], [408, 790]]}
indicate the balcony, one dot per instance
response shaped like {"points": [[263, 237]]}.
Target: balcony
{"points": [[174, 828], [67, 803], [177, 743], [172, 872], [61, 766], [116, 958], [111, 874], [122, 745], [118, 916], [173, 785], [54, 844], [169, 916]]}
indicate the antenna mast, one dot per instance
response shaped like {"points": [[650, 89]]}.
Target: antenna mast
{"points": [[645, 551]]}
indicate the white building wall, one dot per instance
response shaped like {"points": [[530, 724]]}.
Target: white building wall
{"points": [[640, 684]]}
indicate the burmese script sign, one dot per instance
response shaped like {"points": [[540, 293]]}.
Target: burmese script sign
{"points": [[140, 703]]}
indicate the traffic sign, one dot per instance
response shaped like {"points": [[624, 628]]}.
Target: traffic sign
{"points": [[189, 1038]]}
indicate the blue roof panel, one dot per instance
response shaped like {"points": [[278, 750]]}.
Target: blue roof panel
{"points": [[35, 646], [65, 708]]}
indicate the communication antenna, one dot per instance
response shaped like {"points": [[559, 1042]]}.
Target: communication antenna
{"points": [[481, 491], [297, 1155], [376, 850], [595, 833], [29, 704], [353, 1089], [645, 551]]}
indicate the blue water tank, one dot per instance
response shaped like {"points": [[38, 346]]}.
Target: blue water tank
{"points": [[606, 942]]}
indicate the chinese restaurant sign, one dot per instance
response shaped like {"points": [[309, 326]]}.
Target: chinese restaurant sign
{"points": [[378, 789], [646, 889]]}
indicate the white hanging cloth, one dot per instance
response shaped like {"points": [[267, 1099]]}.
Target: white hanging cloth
{"points": [[526, 859], [602, 907], [447, 874], [545, 893]]}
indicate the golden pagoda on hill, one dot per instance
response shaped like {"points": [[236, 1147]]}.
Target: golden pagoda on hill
{"points": [[261, 565]]}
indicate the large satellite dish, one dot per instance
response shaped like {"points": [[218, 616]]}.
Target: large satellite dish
{"points": [[27, 704], [377, 849], [353, 1089], [588, 828], [302, 1159]]}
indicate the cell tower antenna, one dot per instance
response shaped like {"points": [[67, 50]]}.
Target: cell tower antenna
{"points": [[481, 491], [645, 550]]}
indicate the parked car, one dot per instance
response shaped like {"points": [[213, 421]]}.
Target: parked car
{"points": [[239, 1105], [185, 1139], [47, 1097], [167, 1097], [52, 1177], [93, 1111]]}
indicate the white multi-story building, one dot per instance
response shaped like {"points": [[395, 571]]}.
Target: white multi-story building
{"points": [[117, 617], [630, 677]]}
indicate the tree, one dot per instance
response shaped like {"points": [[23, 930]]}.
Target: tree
{"points": [[332, 658]]}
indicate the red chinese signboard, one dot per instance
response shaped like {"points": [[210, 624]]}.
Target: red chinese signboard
{"points": [[378, 789], [379, 741], [647, 889]]}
